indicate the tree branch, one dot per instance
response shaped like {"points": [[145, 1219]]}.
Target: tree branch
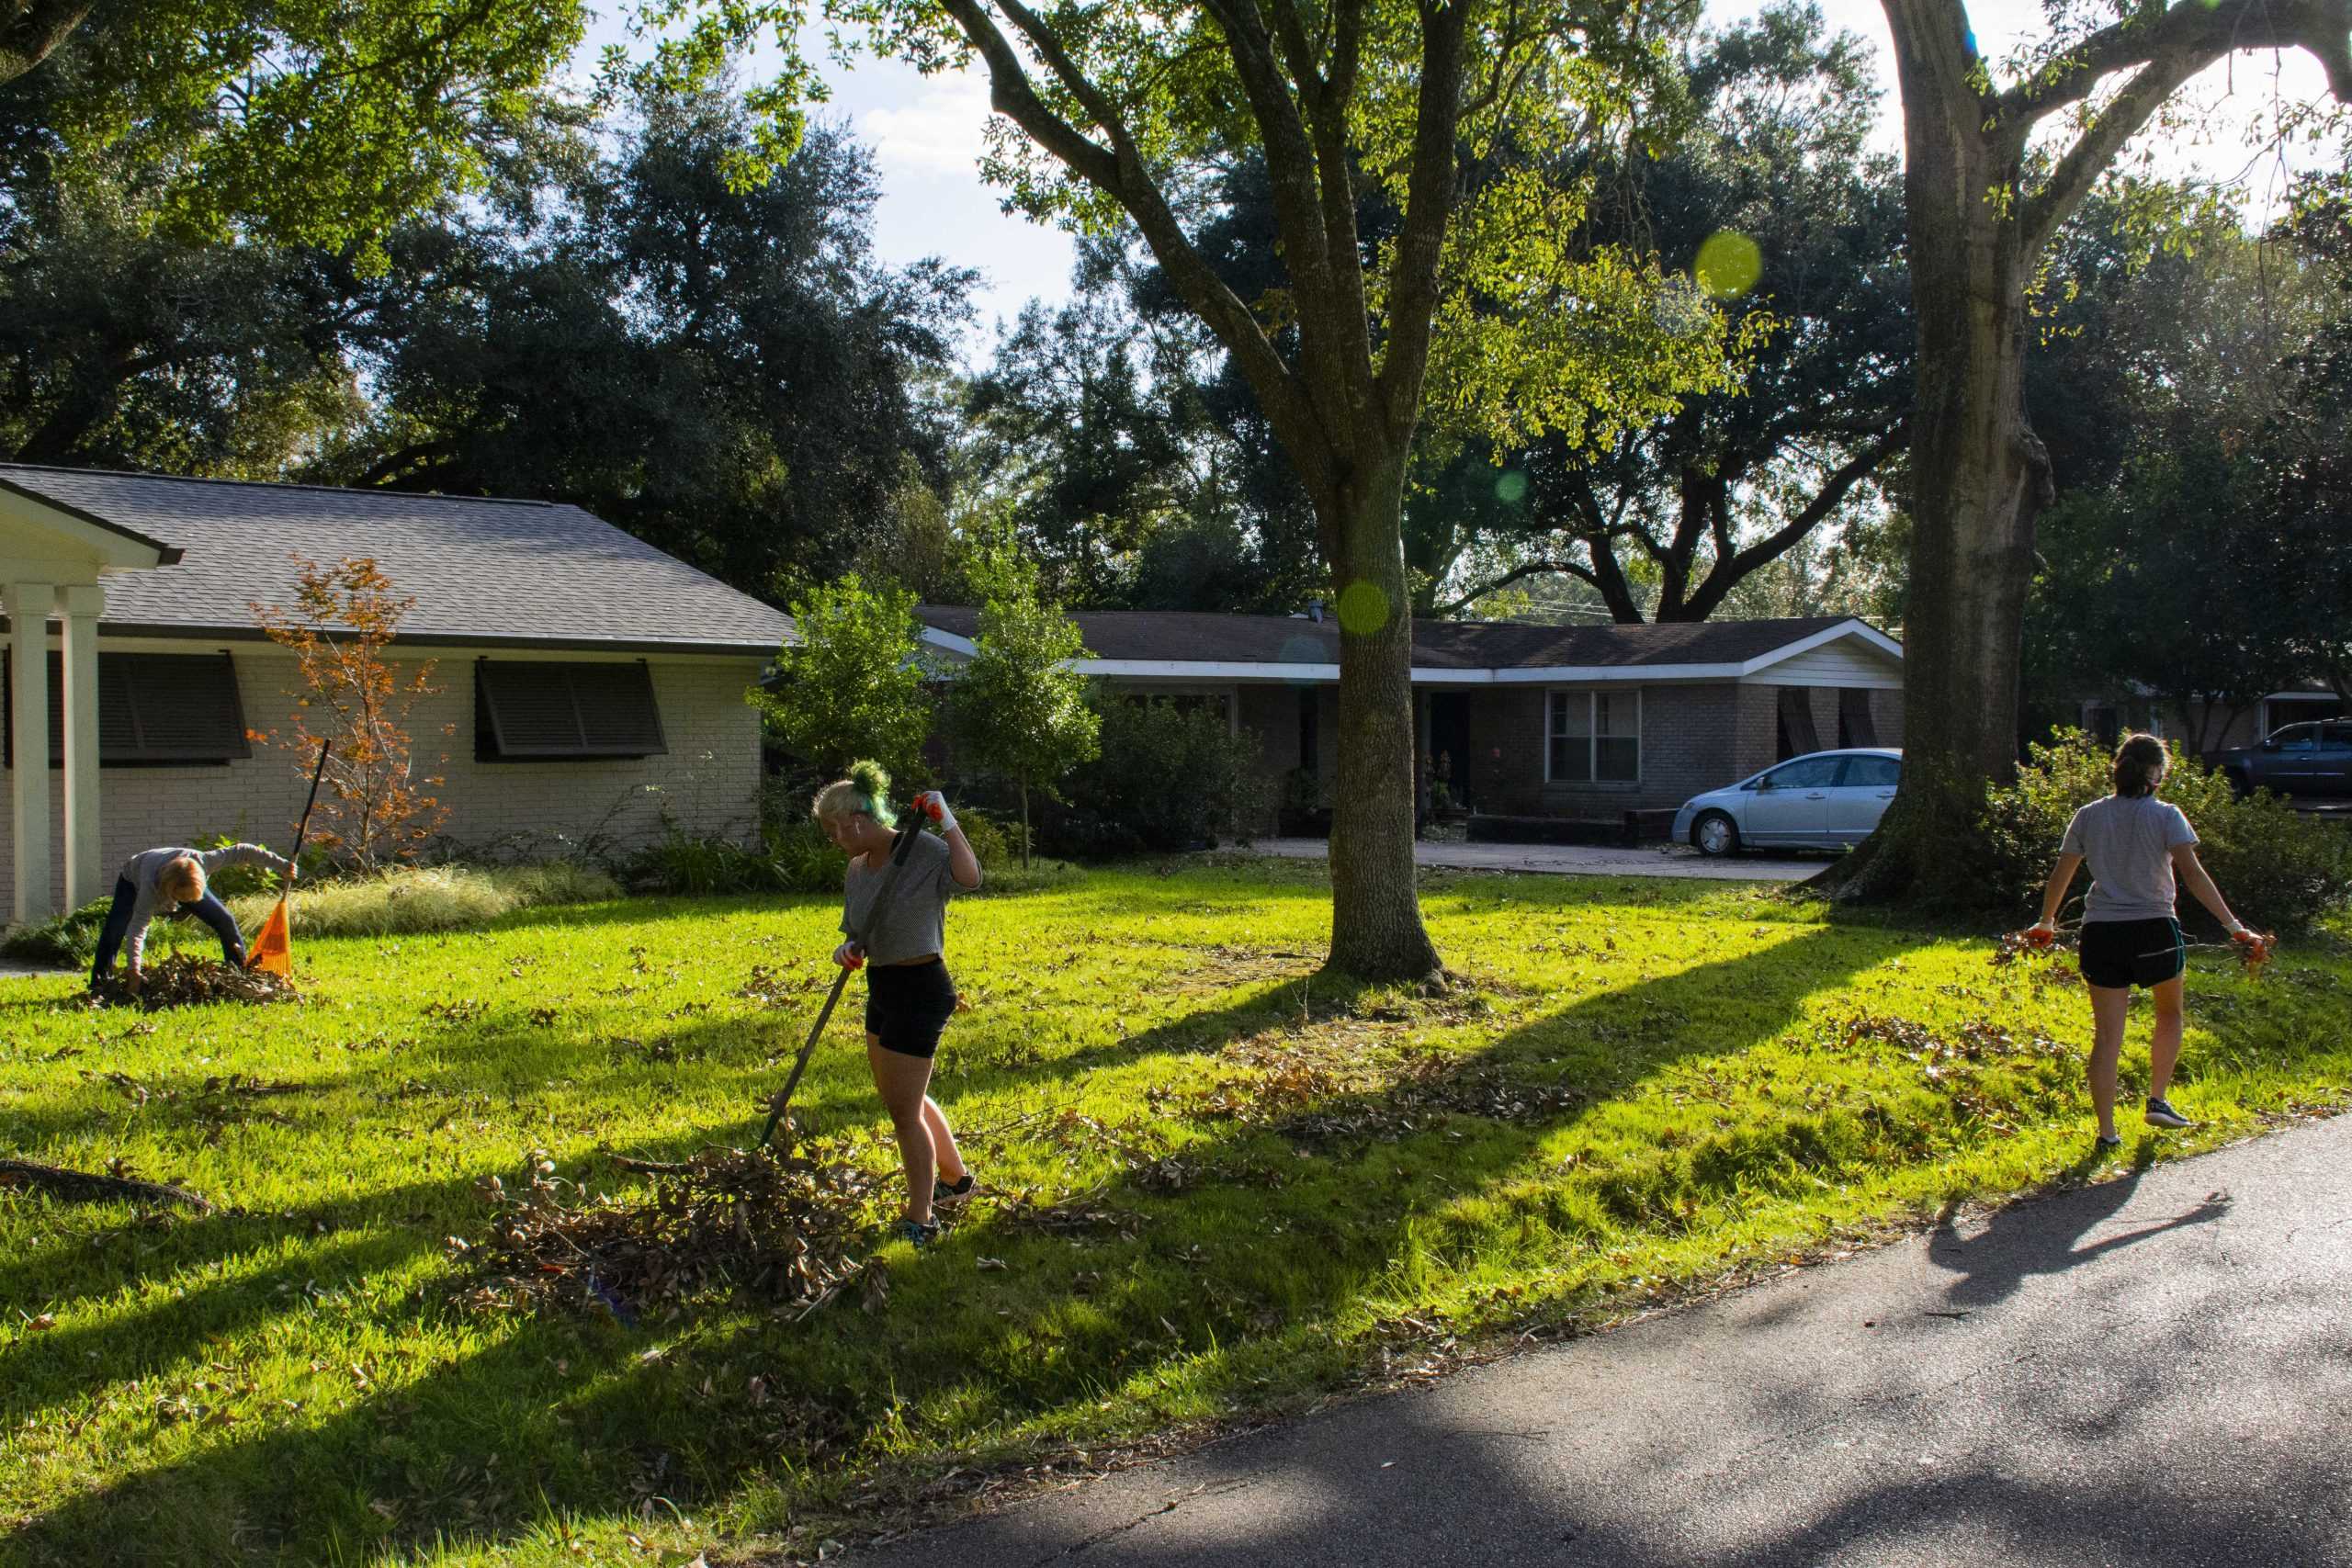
{"points": [[1121, 174], [2192, 30], [1727, 571], [34, 29], [1413, 283], [1495, 585], [2088, 159]]}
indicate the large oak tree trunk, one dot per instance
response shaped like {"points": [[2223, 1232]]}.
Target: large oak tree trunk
{"points": [[1377, 931], [1979, 478]]}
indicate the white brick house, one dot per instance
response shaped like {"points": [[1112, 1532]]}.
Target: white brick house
{"points": [[588, 683], [1575, 722]]}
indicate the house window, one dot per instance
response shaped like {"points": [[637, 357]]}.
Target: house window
{"points": [[1855, 727], [153, 708], [543, 711], [1594, 738]]}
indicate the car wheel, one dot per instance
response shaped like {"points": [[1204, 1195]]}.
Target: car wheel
{"points": [[1715, 834]]}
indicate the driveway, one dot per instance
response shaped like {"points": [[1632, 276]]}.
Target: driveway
{"points": [[2151, 1370], [1573, 860]]}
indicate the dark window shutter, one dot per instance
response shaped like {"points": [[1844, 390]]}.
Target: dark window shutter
{"points": [[153, 707], [1797, 734], [1854, 725], [530, 710]]}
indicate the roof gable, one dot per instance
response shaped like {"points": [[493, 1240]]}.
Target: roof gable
{"points": [[482, 571]]}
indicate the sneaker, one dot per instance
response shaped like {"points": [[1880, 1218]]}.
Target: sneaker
{"points": [[941, 1192], [2160, 1113], [2110, 1140], [916, 1234]]}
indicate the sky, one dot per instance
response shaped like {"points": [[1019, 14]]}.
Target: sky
{"points": [[926, 137]]}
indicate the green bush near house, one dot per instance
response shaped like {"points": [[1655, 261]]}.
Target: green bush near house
{"points": [[1168, 778], [68, 941], [2280, 871]]}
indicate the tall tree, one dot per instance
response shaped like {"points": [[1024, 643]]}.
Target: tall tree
{"points": [[1983, 200], [1121, 114]]}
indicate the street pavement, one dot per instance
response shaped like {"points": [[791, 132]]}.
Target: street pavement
{"points": [[2155, 1370], [1576, 860]]}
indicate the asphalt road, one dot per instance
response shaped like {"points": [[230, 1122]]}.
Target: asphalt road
{"points": [[2153, 1369]]}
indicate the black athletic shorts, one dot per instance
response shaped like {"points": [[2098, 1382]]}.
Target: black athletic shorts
{"points": [[908, 1005], [2118, 954]]}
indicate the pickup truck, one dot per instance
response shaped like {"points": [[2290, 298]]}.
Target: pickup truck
{"points": [[2302, 760]]}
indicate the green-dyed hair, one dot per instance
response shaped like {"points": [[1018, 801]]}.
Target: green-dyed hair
{"points": [[866, 790]]}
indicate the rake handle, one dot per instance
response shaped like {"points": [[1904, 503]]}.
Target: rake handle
{"points": [[302, 829], [899, 850]]}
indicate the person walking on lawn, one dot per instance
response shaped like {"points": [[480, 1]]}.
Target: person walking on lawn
{"points": [[156, 882], [908, 993], [2139, 850]]}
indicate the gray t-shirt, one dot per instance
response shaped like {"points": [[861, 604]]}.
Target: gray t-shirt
{"points": [[147, 900], [913, 921], [2128, 841]]}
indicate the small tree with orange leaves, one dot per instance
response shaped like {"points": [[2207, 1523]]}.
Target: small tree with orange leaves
{"points": [[375, 807]]}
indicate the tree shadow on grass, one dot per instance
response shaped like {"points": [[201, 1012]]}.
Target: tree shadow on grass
{"points": [[573, 1413]]}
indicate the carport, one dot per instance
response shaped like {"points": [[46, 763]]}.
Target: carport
{"points": [[52, 562]]}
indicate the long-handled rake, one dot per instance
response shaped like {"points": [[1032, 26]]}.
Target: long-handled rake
{"points": [[273, 946], [901, 849]]}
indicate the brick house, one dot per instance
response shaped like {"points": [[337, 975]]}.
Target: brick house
{"points": [[1577, 722], [588, 683]]}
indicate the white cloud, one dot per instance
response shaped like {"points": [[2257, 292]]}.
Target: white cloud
{"points": [[935, 128]]}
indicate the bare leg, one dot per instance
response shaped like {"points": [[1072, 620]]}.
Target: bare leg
{"points": [[901, 1080], [943, 1143], [2108, 1007], [2164, 1044]]}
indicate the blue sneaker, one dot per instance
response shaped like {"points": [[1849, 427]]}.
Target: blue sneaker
{"points": [[916, 1234], [2110, 1140], [941, 1192], [2160, 1113]]}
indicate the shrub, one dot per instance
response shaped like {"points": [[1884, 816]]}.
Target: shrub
{"points": [[2279, 871], [67, 941], [405, 900], [683, 863], [1168, 778]]}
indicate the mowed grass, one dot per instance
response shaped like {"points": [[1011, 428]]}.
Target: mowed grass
{"points": [[1256, 1190]]}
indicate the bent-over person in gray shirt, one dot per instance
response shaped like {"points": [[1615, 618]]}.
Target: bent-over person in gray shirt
{"points": [[156, 882]]}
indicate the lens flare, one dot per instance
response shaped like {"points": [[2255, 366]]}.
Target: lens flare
{"points": [[1729, 263], [1364, 609], [1511, 488]]}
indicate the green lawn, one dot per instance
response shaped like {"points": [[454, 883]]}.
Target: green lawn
{"points": [[1265, 1192]]}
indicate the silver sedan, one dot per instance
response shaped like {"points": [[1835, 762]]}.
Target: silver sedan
{"points": [[1824, 800]]}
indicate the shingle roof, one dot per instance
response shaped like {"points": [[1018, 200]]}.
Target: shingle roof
{"points": [[1183, 637], [495, 572]]}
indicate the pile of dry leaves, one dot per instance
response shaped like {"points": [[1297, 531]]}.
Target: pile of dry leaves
{"points": [[185, 980], [785, 1228]]}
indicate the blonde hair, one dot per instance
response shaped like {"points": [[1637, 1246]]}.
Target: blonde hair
{"points": [[181, 880], [866, 792], [2141, 764]]}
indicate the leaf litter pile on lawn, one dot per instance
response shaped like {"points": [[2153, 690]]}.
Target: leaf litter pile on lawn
{"points": [[185, 980], [783, 1228]]}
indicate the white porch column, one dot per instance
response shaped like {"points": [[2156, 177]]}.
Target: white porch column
{"points": [[29, 604], [84, 876]]}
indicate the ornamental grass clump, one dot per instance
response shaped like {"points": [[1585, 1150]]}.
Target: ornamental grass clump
{"points": [[411, 899]]}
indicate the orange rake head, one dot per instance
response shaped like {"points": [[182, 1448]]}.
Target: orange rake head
{"points": [[273, 946]]}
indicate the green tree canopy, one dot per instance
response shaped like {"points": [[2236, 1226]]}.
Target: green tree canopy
{"points": [[1016, 708], [317, 122], [852, 685]]}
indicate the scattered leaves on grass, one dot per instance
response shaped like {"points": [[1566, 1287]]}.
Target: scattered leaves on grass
{"points": [[775, 985], [726, 1220], [185, 980]]}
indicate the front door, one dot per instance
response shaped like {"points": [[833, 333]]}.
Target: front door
{"points": [[1450, 745], [1792, 804]]}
